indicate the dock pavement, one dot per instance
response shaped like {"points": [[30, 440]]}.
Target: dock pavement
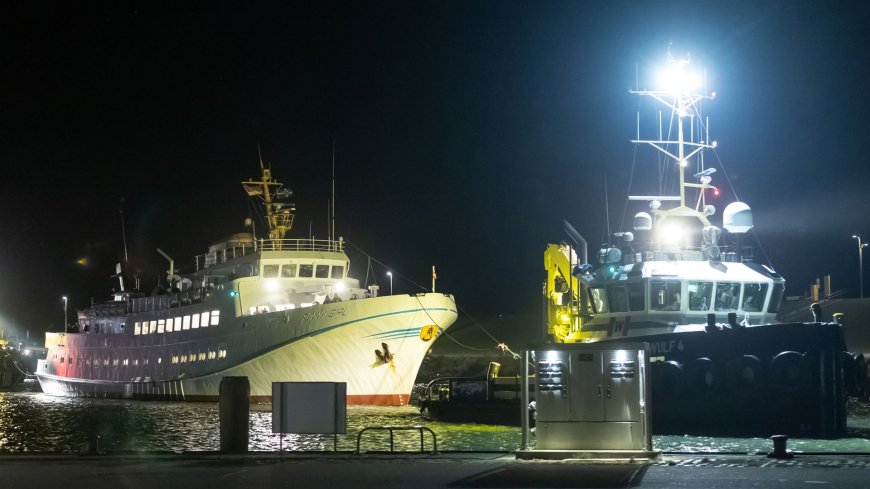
{"points": [[319, 470]]}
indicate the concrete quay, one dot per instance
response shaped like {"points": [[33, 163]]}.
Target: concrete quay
{"points": [[423, 471]]}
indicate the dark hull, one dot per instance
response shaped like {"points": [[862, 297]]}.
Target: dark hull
{"points": [[788, 379]]}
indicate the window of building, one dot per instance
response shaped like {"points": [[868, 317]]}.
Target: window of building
{"points": [[215, 317], [700, 295], [665, 295], [337, 272], [753, 297], [306, 271], [322, 271], [203, 319], [727, 295], [186, 322], [270, 270], [288, 271]]}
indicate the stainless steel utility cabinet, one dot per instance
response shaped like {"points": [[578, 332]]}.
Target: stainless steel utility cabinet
{"points": [[593, 396]]}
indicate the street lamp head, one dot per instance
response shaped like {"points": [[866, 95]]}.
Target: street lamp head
{"points": [[855, 236], [390, 274]]}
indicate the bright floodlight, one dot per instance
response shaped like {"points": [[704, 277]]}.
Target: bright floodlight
{"points": [[671, 234], [340, 287], [674, 79]]}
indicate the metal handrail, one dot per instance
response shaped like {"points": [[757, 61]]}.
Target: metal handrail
{"points": [[217, 257], [399, 428]]}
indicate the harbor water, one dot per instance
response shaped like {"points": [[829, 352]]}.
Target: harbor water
{"points": [[35, 422]]}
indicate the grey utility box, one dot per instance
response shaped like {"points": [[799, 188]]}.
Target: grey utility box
{"points": [[592, 396]]}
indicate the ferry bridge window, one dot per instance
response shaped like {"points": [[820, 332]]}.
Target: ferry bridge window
{"points": [[727, 295], [215, 317], [288, 271], [776, 298], [617, 299], [664, 295], [753, 297], [270, 270], [322, 271], [306, 271], [337, 272], [599, 300], [636, 296], [700, 296]]}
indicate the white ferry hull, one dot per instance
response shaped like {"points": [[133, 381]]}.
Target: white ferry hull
{"points": [[320, 344]]}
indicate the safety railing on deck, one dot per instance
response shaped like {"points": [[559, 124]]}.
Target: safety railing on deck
{"points": [[217, 257], [399, 428]]}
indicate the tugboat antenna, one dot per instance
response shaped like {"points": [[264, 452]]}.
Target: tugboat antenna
{"points": [[332, 226]]}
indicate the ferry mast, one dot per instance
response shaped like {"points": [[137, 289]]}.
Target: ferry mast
{"points": [[274, 198]]}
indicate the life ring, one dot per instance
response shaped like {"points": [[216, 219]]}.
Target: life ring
{"points": [[743, 375], [702, 376], [668, 380], [788, 371]]}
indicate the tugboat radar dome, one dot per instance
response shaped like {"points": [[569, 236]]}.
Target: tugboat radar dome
{"points": [[737, 217]]}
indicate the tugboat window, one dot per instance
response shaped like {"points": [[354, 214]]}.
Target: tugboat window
{"points": [[599, 300], [753, 297], [322, 271], [776, 298], [337, 272], [617, 299], [727, 296], [636, 296], [700, 296], [665, 296], [288, 271], [306, 270], [270, 270]]}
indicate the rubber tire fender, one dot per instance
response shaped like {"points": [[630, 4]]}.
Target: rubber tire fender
{"points": [[744, 375], [702, 376], [788, 372], [669, 380]]}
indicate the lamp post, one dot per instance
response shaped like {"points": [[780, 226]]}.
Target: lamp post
{"points": [[860, 264], [65, 301], [390, 274]]}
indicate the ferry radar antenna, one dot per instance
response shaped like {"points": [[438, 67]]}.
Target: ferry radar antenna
{"points": [[123, 230]]}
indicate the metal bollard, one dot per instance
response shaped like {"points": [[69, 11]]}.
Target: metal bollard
{"points": [[235, 400], [779, 450]]}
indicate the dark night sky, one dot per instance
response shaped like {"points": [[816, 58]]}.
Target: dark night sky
{"points": [[465, 132]]}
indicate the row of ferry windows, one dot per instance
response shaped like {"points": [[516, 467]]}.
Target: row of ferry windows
{"points": [[106, 361], [703, 296], [180, 323], [303, 271]]}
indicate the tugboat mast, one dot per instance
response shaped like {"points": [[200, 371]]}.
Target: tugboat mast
{"points": [[678, 90]]}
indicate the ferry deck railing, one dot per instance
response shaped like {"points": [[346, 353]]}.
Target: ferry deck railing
{"points": [[391, 429], [217, 257]]}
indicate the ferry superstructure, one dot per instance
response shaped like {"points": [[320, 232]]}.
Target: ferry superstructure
{"points": [[271, 309]]}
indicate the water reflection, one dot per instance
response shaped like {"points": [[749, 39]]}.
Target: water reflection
{"points": [[32, 422]]}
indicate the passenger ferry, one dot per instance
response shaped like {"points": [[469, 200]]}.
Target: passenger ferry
{"points": [[267, 308]]}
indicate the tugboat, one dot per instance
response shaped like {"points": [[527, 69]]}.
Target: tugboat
{"points": [[267, 308], [721, 366]]}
